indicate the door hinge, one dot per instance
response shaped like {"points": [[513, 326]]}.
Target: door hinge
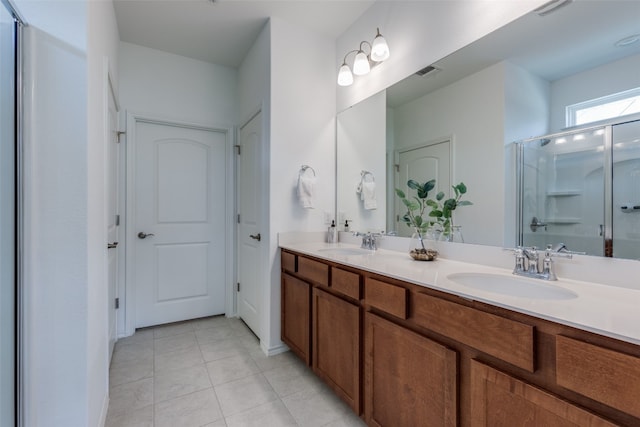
{"points": [[117, 303], [238, 287], [117, 219], [238, 218], [120, 133], [397, 168], [238, 147]]}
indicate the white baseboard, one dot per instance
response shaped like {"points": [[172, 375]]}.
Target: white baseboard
{"points": [[273, 350]]}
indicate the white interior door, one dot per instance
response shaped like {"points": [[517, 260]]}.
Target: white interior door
{"points": [[112, 215], [249, 223], [180, 205], [422, 164]]}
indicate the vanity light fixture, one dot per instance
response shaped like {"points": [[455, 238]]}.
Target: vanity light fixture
{"points": [[378, 52]]}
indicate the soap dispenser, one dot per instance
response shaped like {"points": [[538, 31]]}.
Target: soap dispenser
{"points": [[332, 233]]}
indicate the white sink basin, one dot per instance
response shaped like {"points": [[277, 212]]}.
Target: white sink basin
{"points": [[345, 251], [512, 286]]}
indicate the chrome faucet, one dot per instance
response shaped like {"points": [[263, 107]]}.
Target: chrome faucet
{"points": [[528, 262], [369, 240]]}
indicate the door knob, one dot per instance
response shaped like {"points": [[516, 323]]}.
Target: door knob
{"points": [[255, 236], [112, 245], [143, 235]]}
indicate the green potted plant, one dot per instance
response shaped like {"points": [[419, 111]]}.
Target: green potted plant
{"points": [[416, 219], [442, 211]]}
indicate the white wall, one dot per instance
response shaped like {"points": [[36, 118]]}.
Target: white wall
{"points": [[361, 132], [56, 191], [175, 87], [66, 366], [605, 80], [470, 111], [482, 113], [302, 132], [419, 34], [102, 53]]}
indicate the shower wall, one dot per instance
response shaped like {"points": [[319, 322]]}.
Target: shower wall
{"points": [[563, 187]]}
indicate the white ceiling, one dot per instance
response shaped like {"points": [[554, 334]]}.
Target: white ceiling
{"points": [[222, 32], [575, 38]]}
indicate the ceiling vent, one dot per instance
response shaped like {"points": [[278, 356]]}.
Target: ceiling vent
{"points": [[429, 70]]}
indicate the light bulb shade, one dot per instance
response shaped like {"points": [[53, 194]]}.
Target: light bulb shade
{"points": [[361, 64], [379, 49], [345, 78]]}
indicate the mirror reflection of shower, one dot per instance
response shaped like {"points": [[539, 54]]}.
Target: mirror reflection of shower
{"points": [[581, 189]]}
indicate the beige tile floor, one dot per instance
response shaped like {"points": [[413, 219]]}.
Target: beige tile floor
{"points": [[211, 372]]}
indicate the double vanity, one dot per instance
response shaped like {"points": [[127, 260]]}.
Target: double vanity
{"points": [[448, 343]]}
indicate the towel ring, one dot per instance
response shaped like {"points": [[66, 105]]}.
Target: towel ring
{"points": [[304, 168]]}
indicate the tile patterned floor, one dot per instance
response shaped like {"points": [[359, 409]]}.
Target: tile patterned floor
{"points": [[211, 372]]}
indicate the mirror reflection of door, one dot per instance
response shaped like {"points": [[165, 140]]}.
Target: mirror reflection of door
{"points": [[422, 163]]}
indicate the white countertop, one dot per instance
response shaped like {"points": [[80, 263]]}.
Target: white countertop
{"points": [[606, 310]]}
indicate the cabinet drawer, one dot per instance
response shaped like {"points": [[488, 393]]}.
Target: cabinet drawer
{"points": [[345, 282], [386, 297], [313, 270], [505, 339], [288, 262], [498, 399], [607, 376]]}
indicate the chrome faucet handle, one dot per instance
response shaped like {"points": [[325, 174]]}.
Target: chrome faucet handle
{"points": [[519, 267], [549, 252]]}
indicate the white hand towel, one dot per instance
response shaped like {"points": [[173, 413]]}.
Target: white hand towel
{"points": [[368, 195], [306, 191]]}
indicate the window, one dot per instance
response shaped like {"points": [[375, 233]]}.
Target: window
{"points": [[607, 107]]}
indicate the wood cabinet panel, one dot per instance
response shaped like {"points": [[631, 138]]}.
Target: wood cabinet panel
{"points": [[296, 316], [387, 297], [601, 374], [313, 270], [500, 400], [503, 338], [345, 282], [410, 381], [336, 345], [288, 261]]}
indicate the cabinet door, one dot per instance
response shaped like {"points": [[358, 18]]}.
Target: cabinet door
{"points": [[410, 380], [336, 345], [498, 399], [296, 321]]}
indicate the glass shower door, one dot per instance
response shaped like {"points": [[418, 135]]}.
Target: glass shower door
{"points": [[563, 191], [626, 190]]}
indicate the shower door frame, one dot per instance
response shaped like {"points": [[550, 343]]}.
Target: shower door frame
{"points": [[607, 126], [18, 173]]}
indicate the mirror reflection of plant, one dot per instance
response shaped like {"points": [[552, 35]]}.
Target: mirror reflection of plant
{"points": [[442, 210], [416, 207]]}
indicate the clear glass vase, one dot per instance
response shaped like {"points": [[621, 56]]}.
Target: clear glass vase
{"points": [[452, 234], [422, 246]]}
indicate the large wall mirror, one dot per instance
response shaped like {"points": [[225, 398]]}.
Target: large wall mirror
{"points": [[457, 118]]}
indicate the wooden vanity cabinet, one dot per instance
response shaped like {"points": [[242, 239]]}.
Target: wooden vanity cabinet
{"points": [[410, 380], [406, 355], [295, 328], [336, 345]]}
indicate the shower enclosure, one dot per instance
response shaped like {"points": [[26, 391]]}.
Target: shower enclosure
{"points": [[581, 188]]}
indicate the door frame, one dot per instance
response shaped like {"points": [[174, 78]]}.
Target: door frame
{"points": [[262, 219], [128, 293], [396, 161]]}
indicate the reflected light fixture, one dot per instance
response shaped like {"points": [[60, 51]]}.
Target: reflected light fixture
{"points": [[362, 63]]}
